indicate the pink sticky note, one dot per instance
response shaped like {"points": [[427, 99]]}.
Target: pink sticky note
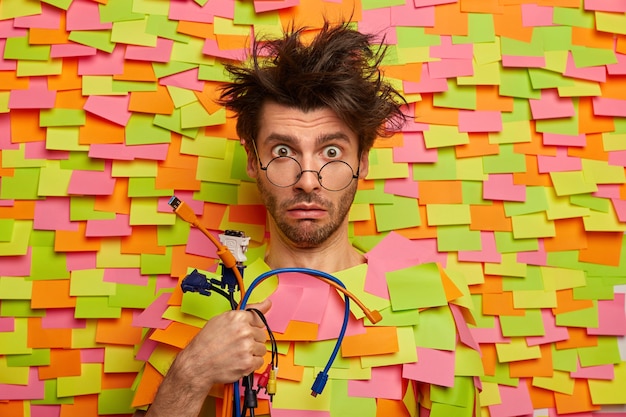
{"points": [[37, 96], [605, 372], [40, 410], [92, 182], [113, 108], [186, 79], [152, 316], [488, 252], [85, 15], [617, 158], [7, 30], [62, 318], [414, 150], [448, 49], [76, 261], [551, 106], [192, 12], [615, 6], [608, 190], [411, 125], [53, 213], [385, 382], [426, 84], [463, 331], [514, 61], [426, 3], [16, 266], [198, 244], [534, 15], [130, 276], [451, 67], [71, 50], [211, 48], [609, 107], [538, 257], [515, 401], [103, 63], [261, 6], [613, 69], [405, 187], [562, 162], [501, 187], [619, 206], [49, 18], [34, 390], [409, 15], [378, 23], [159, 53], [564, 140], [586, 73], [5, 132], [117, 227], [480, 121], [157, 152], [553, 333], [333, 319], [611, 317], [37, 150], [7, 324], [489, 335], [314, 296], [433, 366], [184, 196], [92, 355], [285, 301], [146, 348]]}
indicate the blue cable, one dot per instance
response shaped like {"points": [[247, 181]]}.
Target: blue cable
{"points": [[322, 377]]}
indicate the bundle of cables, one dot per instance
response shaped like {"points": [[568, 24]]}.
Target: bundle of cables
{"points": [[267, 379]]}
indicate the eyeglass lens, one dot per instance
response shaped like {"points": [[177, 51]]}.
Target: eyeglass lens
{"points": [[285, 171]]}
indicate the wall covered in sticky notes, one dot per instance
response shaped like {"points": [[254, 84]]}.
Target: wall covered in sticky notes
{"points": [[511, 172]]}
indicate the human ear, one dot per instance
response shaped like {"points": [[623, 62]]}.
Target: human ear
{"points": [[252, 166], [364, 164]]}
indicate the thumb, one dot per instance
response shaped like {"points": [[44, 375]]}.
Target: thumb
{"points": [[263, 306]]}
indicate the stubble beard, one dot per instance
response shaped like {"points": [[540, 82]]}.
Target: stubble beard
{"points": [[307, 233]]}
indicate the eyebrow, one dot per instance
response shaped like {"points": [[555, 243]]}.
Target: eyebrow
{"points": [[320, 140]]}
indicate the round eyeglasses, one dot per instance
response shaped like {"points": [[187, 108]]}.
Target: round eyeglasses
{"points": [[285, 171]]}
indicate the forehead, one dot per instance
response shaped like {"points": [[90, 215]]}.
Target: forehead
{"points": [[284, 123]]}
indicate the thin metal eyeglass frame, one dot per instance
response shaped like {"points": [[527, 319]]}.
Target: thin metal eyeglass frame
{"points": [[355, 176]]}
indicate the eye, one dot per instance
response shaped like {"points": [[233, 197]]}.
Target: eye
{"points": [[281, 150], [332, 152]]}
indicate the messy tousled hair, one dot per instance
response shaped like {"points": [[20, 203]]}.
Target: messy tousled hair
{"points": [[338, 69]]}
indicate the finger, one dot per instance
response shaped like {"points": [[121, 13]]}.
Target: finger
{"points": [[263, 306]]}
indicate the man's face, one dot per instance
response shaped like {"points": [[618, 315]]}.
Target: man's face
{"points": [[305, 213]]}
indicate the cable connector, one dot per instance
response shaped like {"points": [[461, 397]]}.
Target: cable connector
{"points": [[271, 384], [264, 377], [319, 384]]}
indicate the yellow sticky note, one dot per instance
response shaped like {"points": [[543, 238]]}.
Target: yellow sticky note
{"points": [[598, 221], [516, 350], [572, 182], [195, 115], [523, 299], [559, 382], [133, 32], [518, 131], [382, 165], [296, 395], [121, 359], [18, 245], [88, 382], [354, 278], [138, 168], [15, 375], [99, 85], [600, 172], [53, 181], [110, 256], [580, 88], [90, 282], [611, 22], [448, 214], [439, 136], [490, 395], [144, 211], [533, 225], [609, 391], [560, 207], [201, 145], [508, 266], [555, 279], [406, 354], [64, 139]]}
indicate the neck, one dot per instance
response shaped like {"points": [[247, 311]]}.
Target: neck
{"points": [[334, 255]]}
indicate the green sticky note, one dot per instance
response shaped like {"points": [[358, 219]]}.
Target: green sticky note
{"points": [[120, 358], [590, 202], [88, 382], [82, 208], [133, 296], [38, 357], [144, 211], [515, 82], [579, 88], [217, 169], [153, 264], [484, 74], [89, 282], [564, 16], [15, 375], [61, 4], [118, 11], [213, 73], [480, 30], [508, 161], [125, 86], [23, 185], [443, 169], [194, 115], [606, 352], [555, 279], [456, 96], [507, 267], [61, 117], [136, 168], [173, 234], [418, 286], [382, 165], [530, 324], [217, 193], [564, 359], [413, 36], [191, 52], [502, 376], [146, 187], [296, 395], [202, 306], [592, 57], [587, 317], [133, 32], [50, 395], [560, 207], [403, 213], [98, 39], [63, 138], [344, 405], [436, 329], [6, 229], [488, 52], [163, 69], [173, 122], [317, 354], [158, 23], [516, 47], [95, 308], [82, 161], [521, 111], [610, 22], [517, 131], [207, 146], [553, 38], [19, 48], [597, 288], [448, 214], [397, 318], [533, 281], [458, 238], [460, 395], [535, 202], [542, 79], [48, 264], [115, 401]]}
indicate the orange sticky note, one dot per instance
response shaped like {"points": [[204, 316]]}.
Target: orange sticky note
{"points": [[376, 340], [38, 337], [196, 29], [52, 294], [532, 175], [440, 192], [208, 96], [70, 99], [538, 367], [118, 201], [142, 240], [509, 24], [490, 218], [40, 36], [298, 330], [181, 261], [478, 146], [425, 112], [578, 337], [593, 149], [589, 122], [118, 331], [250, 214], [118, 380], [570, 234], [578, 402], [24, 123], [566, 302], [68, 79], [287, 368], [449, 20], [500, 304], [136, 71], [488, 98], [21, 210], [176, 334], [157, 102], [602, 248], [63, 362], [396, 408], [147, 388], [75, 241], [13, 408]]}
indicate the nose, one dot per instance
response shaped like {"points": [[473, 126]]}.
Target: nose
{"points": [[309, 179]]}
